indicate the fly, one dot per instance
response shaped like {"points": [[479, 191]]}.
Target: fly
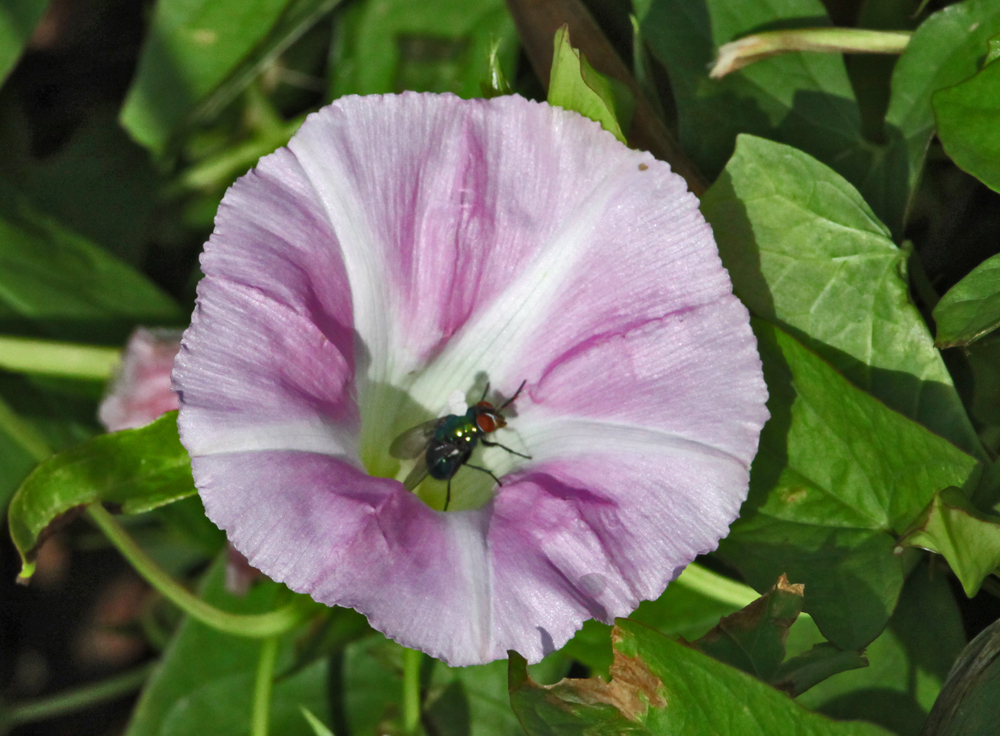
{"points": [[444, 445]]}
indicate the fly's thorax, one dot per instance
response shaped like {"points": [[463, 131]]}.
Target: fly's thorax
{"points": [[456, 428]]}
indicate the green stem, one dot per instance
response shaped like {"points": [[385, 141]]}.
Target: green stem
{"points": [[255, 626], [74, 700], [745, 51], [48, 357], [715, 586], [411, 690], [262, 687], [24, 434], [712, 585]]}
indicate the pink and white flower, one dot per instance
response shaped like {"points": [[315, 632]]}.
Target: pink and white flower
{"points": [[405, 247], [140, 391]]}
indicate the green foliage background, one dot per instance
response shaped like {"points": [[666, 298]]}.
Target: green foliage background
{"points": [[854, 202]]}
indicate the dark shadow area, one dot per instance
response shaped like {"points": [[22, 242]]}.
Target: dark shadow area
{"points": [[430, 63], [81, 55], [956, 221], [449, 714], [48, 640], [896, 711]]}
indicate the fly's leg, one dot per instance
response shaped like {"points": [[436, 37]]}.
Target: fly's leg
{"points": [[504, 447], [484, 470], [447, 498]]}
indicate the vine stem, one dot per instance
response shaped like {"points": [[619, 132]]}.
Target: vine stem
{"points": [[52, 358], [411, 691], [262, 686], [254, 626], [745, 51], [73, 700]]}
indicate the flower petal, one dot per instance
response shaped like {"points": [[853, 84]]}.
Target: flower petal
{"points": [[693, 375], [349, 539], [268, 360], [505, 243], [565, 542]]}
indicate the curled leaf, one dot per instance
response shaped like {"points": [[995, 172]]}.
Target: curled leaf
{"points": [[966, 537]]}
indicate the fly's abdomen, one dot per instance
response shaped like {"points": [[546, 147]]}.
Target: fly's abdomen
{"points": [[445, 458], [452, 444]]}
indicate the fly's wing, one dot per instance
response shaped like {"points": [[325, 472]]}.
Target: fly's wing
{"points": [[413, 441], [418, 473], [413, 444]]}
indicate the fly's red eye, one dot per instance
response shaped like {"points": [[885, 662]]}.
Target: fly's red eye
{"points": [[486, 422]]}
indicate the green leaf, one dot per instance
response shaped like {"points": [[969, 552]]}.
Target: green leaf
{"points": [[799, 674], [330, 637], [805, 251], [298, 18], [473, 700], [987, 494], [455, 700], [18, 19], [135, 469], [690, 606], [497, 83], [186, 521], [837, 477], [791, 97], [38, 416], [370, 687], [967, 538], [204, 683], [575, 85], [803, 99], [753, 638], [971, 308], [41, 415], [908, 662], [223, 706], [200, 54], [191, 47], [661, 687], [968, 703], [54, 283], [993, 50], [432, 46], [946, 49], [966, 116]]}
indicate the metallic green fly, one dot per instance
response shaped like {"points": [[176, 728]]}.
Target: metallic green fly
{"points": [[444, 445]]}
